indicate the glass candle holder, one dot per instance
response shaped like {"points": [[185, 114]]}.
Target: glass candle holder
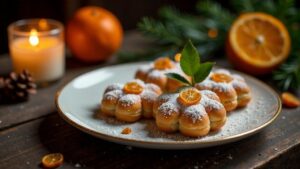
{"points": [[38, 46]]}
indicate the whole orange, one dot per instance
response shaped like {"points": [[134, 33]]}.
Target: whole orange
{"points": [[93, 34]]}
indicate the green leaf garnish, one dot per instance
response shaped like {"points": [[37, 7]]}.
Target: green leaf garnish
{"points": [[190, 60], [191, 65], [203, 71], [178, 77]]}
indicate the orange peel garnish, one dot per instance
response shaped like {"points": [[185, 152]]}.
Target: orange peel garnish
{"points": [[221, 77], [163, 63], [290, 100], [126, 130], [133, 88], [189, 96], [53, 160]]}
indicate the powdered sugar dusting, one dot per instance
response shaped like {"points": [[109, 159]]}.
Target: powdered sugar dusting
{"points": [[115, 86], [149, 95], [206, 84], [209, 93], [173, 70], [222, 87], [112, 95], [145, 68], [238, 77], [152, 87], [168, 108], [239, 84], [155, 74], [195, 112], [165, 97], [129, 99], [210, 104]]}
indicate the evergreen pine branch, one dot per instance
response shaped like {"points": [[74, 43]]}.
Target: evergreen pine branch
{"points": [[241, 6], [189, 26], [168, 13], [159, 31], [288, 75], [245, 6], [282, 7], [216, 12], [148, 55]]}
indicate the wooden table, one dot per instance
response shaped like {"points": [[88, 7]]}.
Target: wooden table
{"points": [[32, 129]]}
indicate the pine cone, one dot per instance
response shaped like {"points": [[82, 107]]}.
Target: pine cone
{"points": [[17, 87]]}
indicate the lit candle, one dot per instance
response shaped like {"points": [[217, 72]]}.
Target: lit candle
{"points": [[40, 50]]}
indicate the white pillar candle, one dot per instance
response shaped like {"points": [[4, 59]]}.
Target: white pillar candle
{"points": [[43, 56]]}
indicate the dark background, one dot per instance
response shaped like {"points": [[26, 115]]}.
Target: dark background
{"points": [[128, 11]]}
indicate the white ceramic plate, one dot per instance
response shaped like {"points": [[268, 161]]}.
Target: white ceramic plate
{"points": [[78, 103]]}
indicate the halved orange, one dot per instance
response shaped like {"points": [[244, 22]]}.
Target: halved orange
{"points": [[133, 88], [257, 43], [189, 96], [53, 160], [221, 77], [163, 63]]}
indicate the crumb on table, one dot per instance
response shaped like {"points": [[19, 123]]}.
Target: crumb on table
{"points": [[126, 130]]}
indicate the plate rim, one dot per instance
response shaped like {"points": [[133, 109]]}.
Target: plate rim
{"points": [[183, 143]]}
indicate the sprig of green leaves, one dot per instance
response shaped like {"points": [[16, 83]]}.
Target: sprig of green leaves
{"points": [[190, 63]]}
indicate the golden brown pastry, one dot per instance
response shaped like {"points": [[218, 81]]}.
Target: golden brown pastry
{"points": [[159, 101], [129, 108], [194, 121], [110, 101], [167, 117], [231, 89], [194, 113], [216, 112], [155, 73], [242, 90], [131, 101]]}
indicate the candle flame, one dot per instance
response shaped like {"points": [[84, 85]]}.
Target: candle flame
{"points": [[33, 38]]}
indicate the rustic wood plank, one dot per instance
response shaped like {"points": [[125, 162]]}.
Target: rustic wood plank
{"points": [[38, 105], [23, 147]]}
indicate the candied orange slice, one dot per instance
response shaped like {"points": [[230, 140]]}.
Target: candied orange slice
{"points": [[221, 77], [177, 57], [163, 63], [52, 160], [290, 100], [133, 88], [189, 96]]}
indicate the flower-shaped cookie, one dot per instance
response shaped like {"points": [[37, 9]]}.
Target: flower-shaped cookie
{"points": [[232, 89], [131, 101], [155, 73], [194, 113]]}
